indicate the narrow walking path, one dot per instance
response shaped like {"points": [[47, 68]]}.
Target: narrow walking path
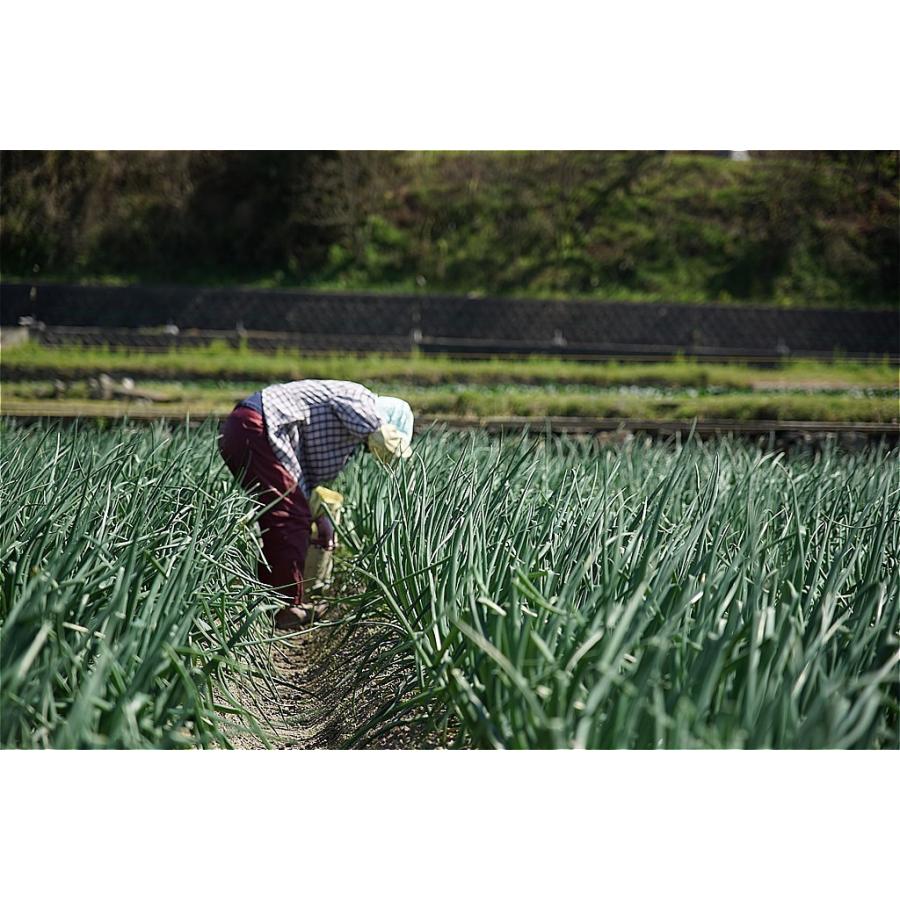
{"points": [[324, 685]]}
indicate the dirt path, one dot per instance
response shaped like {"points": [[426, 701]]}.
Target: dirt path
{"points": [[317, 697]]}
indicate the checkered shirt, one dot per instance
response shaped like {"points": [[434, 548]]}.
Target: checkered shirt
{"points": [[314, 427]]}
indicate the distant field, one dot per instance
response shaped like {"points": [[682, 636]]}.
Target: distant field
{"points": [[211, 380], [219, 362], [203, 399]]}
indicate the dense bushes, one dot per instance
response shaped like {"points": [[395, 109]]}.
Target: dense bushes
{"points": [[814, 228]]}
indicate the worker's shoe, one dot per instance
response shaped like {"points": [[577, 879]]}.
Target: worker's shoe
{"points": [[292, 618]]}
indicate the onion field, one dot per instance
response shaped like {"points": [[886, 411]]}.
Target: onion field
{"points": [[550, 594], [531, 592], [125, 601]]}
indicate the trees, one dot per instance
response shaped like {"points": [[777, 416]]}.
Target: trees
{"points": [[814, 227]]}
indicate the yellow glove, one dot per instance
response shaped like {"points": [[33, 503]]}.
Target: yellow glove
{"points": [[325, 500], [388, 444]]}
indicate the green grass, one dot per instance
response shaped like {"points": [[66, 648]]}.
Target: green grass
{"points": [[127, 599], [544, 594], [220, 362]]}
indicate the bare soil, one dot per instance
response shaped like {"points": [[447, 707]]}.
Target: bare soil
{"points": [[318, 697]]}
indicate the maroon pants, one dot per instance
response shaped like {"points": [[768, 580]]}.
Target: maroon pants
{"points": [[285, 527]]}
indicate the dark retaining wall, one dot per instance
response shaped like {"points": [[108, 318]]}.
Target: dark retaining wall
{"points": [[459, 324]]}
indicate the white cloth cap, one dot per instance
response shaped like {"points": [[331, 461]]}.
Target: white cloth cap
{"points": [[396, 412]]}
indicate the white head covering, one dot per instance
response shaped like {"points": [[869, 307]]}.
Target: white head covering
{"points": [[396, 412], [392, 440]]}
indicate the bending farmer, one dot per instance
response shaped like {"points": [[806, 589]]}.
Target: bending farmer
{"points": [[285, 442]]}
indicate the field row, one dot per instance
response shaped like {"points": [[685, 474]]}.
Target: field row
{"points": [[199, 400], [33, 361], [127, 604], [547, 595]]}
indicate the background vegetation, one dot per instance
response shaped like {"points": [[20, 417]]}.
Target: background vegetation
{"points": [[792, 228]]}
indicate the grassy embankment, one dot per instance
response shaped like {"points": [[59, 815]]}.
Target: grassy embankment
{"points": [[211, 380], [815, 228]]}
